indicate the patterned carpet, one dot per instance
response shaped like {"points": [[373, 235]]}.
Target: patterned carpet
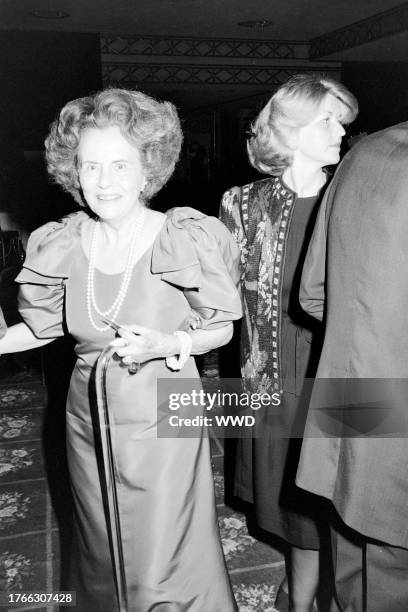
{"points": [[256, 569], [35, 501]]}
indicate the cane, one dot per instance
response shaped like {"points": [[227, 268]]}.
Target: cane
{"points": [[113, 520]]}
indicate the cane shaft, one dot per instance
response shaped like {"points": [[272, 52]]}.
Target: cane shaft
{"points": [[113, 518]]}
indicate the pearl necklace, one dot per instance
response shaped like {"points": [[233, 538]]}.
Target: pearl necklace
{"points": [[113, 311]]}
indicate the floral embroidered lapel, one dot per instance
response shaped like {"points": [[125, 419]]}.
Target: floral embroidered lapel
{"points": [[258, 216]]}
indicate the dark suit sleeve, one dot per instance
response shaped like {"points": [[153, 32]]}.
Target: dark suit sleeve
{"points": [[312, 287]]}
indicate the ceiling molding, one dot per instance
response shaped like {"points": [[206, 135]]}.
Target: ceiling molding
{"points": [[203, 47], [361, 32], [119, 74]]}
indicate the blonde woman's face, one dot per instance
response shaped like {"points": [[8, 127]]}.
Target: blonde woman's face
{"points": [[319, 141]]}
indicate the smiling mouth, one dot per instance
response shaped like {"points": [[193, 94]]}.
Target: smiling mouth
{"points": [[107, 198]]}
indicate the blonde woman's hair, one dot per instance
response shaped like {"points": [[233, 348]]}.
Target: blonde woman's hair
{"points": [[291, 107]]}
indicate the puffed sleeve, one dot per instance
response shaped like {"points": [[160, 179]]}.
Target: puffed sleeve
{"points": [[45, 269], [197, 253]]}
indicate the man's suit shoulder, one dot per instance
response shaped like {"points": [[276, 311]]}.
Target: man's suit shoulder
{"points": [[389, 137]]}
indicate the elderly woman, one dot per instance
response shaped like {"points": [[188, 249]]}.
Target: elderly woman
{"points": [[295, 136], [117, 258]]}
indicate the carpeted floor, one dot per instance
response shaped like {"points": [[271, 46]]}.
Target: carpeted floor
{"points": [[35, 501]]}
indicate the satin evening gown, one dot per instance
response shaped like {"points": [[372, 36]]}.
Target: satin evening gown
{"points": [[172, 550]]}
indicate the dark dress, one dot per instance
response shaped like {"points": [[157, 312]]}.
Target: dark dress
{"points": [[281, 507], [172, 550], [266, 463]]}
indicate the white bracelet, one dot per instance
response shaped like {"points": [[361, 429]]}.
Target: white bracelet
{"points": [[186, 341]]}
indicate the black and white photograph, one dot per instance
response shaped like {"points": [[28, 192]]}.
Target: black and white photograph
{"points": [[203, 305]]}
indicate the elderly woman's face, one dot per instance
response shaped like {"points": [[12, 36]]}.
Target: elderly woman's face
{"points": [[110, 173], [319, 141]]}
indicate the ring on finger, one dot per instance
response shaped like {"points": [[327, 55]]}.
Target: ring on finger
{"points": [[134, 367]]}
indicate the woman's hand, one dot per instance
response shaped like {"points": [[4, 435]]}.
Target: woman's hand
{"points": [[139, 344], [192, 321]]}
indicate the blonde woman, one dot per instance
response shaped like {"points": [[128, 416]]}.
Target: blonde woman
{"points": [[296, 135]]}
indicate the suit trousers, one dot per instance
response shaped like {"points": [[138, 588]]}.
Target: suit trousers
{"points": [[370, 576]]}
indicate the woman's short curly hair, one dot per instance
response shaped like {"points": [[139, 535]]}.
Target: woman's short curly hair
{"points": [[291, 107], [152, 127]]}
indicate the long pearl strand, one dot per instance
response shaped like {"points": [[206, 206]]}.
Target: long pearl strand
{"points": [[127, 275]]}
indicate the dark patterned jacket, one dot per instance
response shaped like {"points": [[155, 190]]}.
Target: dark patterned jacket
{"points": [[258, 215]]}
